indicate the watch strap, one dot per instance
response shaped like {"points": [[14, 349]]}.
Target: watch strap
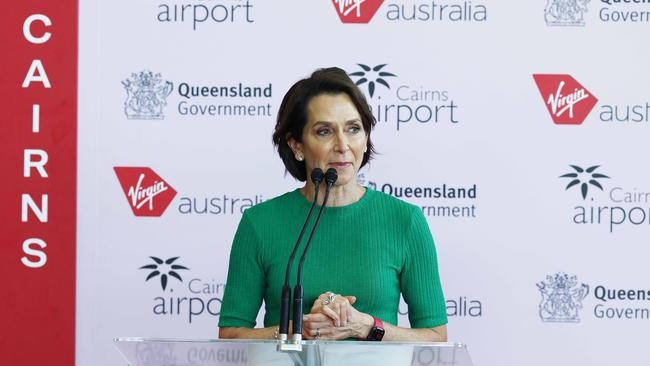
{"points": [[377, 331]]}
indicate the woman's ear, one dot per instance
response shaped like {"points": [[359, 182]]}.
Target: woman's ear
{"points": [[296, 147]]}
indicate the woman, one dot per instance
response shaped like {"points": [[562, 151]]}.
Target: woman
{"points": [[367, 249]]}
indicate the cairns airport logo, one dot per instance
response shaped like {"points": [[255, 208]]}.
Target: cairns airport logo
{"points": [[157, 266], [193, 298], [146, 96], [400, 104], [563, 298], [569, 103], [572, 13], [602, 201], [204, 13], [363, 11]]}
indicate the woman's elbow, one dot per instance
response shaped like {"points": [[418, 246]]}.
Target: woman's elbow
{"points": [[227, 333], [440, 333]]}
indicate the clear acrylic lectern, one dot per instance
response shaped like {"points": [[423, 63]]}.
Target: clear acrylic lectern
{"points": [[217, 352]]}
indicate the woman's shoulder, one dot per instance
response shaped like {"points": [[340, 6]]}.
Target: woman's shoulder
{"points": [[395, 204], [274, 206], [394, 209]]}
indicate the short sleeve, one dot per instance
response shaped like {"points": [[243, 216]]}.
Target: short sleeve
{"points": [[245, 284], [420, 281]]}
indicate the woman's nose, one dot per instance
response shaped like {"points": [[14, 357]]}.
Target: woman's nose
{"points": [[341, 142]]}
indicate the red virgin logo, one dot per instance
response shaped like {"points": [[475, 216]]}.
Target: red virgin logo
{"points": [[566, 99], [356, 11], [146, 192]]}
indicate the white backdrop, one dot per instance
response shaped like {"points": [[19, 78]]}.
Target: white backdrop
{"points": [[500, 139]]}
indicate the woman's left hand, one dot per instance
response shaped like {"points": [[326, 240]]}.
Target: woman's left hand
{"points": [[333, 317]]}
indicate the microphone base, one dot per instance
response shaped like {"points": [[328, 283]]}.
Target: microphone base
{"points": [[295, 345]]}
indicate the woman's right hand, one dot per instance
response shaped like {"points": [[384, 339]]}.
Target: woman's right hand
{"points": [[336, 307], [335, 319]]}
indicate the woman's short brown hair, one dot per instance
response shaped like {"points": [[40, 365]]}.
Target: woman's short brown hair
{"points": [[292, 116]]}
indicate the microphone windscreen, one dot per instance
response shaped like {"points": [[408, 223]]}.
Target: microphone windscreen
{"points": [[331, 176], [317, 175]]}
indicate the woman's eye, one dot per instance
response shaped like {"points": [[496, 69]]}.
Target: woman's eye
{"points": [[355, 129], [323, 132]]}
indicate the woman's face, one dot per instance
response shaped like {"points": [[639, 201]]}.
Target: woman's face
{"points": [[333, 137]]}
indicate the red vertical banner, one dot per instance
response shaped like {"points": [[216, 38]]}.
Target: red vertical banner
{"points": [[38, 89]]}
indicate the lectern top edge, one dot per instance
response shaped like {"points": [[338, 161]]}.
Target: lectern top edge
{"points": [[273, 341]]}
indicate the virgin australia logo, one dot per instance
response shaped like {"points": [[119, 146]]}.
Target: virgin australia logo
{"points": [[147, 193], [165, 269], [565, 12], [145, 95], [351, 11], [373, 76], [561, 298], [566, 99]]}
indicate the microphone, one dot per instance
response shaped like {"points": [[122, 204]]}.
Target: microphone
{"points": [[316, 177], [330, 178]]}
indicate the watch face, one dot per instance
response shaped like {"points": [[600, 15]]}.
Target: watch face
{"points": [[376, 334]]}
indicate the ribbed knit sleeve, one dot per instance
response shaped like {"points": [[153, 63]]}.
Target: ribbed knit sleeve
{"points": [[420, 282], [245, 285]]}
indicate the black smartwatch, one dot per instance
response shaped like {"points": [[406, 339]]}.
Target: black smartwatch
{"points": [[377, 332]]}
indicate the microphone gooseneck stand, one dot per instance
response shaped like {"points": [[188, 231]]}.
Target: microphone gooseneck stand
{"points": [[295, 345], [285, 306], [330, 178]]}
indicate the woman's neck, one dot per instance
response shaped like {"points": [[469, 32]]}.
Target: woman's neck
{"points": [[339, 195]]}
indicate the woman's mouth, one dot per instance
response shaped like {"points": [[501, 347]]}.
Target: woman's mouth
{"points": [[340, 165]]}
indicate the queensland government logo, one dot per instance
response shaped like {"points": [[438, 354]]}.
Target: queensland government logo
{"points": [[561, 298], [146, 192], [146, 98], [564, 297], [565, 12], [441, 200], [146, 95], [572, 12], [567, 101], [404, 102]]}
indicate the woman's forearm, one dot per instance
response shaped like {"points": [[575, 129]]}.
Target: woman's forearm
{"points": [[435, 334], [247, 333], [395, 333]]}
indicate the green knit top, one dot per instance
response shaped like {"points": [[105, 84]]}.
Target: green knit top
{"points": [[373, 249]]}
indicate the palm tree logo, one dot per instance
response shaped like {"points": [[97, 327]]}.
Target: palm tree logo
{"points": [[158, 270], [584, 177], [372, 76]]}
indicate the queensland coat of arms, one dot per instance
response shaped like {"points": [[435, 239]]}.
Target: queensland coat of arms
{"points": [[145, 95], [561, 298], [565, 12]]}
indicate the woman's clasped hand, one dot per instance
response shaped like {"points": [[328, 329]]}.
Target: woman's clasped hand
{"points": [[333, 317]]}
